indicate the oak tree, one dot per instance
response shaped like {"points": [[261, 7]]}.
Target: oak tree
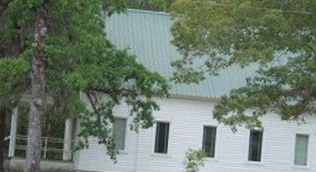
{"points": [[277, 38], [61, 51]]}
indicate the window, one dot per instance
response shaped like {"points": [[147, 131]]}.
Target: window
{"points": [[162, 134], [209, 140], [119, 128], [255, 145], [301, 150]]}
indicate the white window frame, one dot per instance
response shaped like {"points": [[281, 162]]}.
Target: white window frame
{"points": [[157, 154], [216, 149], [309, 149], [263, 146], [122, 151]]}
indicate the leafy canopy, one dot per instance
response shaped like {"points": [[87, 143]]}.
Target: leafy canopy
{"points": [[277, 36], [151, 5], [79, 60]]}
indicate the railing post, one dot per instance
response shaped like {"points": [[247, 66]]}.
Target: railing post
{"points": [[13, 130], [68, 139], [45, 147]]}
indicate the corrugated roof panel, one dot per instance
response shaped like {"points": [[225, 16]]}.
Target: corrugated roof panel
{"points": [[148, 36]]}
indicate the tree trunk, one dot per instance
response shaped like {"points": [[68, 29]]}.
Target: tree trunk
{"points": [[33, 154], [2, 136]]}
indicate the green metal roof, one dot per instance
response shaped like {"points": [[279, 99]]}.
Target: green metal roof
{"points": [[147, 35]]}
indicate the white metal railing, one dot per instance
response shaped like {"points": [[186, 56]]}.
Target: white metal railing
{"points": [[49, 145]]}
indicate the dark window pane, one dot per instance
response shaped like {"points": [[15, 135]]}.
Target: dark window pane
{"points": [[209, 140], [119, 128], [162, 134], [255, 146]]}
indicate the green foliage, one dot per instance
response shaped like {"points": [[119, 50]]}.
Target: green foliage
{"points": [[11, 72], [194, 159], [151, 5], [12, 75], [79, 60], [52, 127], [289, 90], [277, 36]]}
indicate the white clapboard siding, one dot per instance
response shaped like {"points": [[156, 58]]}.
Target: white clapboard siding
{"points": [[187, 118]]}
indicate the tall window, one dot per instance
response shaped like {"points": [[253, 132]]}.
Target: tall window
{"points": [[162, 136], [119, 128], [255, 145], [301, 150], [209, 140]]}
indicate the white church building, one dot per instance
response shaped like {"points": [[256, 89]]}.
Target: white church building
{"points": [[185, 119]]}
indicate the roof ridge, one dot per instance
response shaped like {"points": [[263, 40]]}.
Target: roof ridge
{"points": [[148, 12]]}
